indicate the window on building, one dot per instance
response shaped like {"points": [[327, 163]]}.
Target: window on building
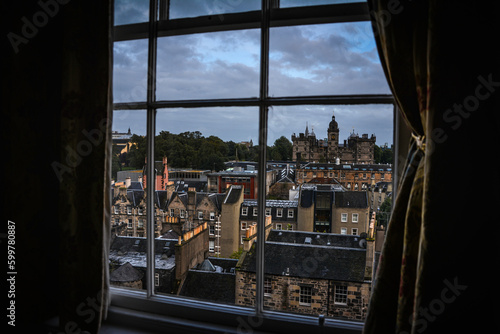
{"points": [[200, 215], [157, 279], [211, 229], [305, 296], [182, 213], [343, 230], [354, 231], [244, 211], [268, 211], [279, 226], [211, 246], [244, 226], [172, 212], [255, 211], [268, 287], [343, 217], [355, 217], [279, 212], [212, 215], [290, 213], [340, 294]]}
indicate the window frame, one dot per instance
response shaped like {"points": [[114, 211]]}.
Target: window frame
{"points": [[131, 304]]}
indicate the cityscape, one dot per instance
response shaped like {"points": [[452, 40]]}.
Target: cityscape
{"points": [[327, 206]]}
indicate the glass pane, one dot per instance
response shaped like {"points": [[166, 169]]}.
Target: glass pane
{"points": [[300, 3], [193, 8], [130, 61], [207, 66], [321, 193], [127, 257], [131, 11], [326, 59], [208, 154]]}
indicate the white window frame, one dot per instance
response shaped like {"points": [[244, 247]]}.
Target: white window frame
{"points": [[290, 213], [343, 230], [344, 217], [355, 218], [212, 215], [173, 306], [279, 212], [354, 231], [200, 215], [340, 297], [255, 212], [268, 211], [305, 293], [244, 211]]}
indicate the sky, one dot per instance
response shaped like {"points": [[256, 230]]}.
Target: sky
{"points": [[318, 59]]}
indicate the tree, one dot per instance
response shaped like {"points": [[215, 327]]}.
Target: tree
{"points": [[284, 148]]}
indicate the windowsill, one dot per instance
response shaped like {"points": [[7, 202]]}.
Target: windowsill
{"points": [[161, 313]]}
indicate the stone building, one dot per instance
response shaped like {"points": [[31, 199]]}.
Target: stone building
{"points": [[356, 177], [356, 149], [128, 212], [309, 273]]}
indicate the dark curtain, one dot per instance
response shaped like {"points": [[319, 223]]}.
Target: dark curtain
{"points": [[436, 272], [56, 102]]}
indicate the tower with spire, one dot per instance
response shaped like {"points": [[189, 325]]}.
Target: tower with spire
{"points": [[356, 149]]}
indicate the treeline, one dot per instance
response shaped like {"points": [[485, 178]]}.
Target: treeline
{"points": [[193, 150]]}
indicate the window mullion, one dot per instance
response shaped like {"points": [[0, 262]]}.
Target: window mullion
{"points": [[150, 166], [263, 125]]}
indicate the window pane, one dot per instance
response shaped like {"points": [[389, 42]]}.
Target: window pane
{"points": [[326, 59], [304, 264], [199, 145], [130, 60], [210, 65], [128, 213], [131, 11], [192, 8], [300, 3]]}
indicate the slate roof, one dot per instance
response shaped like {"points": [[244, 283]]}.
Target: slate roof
{"points": [[125, 273], [315, 238], [310, 261], [215, 284], [234, 194], [133, 250], [315, 261], [351, 199]]}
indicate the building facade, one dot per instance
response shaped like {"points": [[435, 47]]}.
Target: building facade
{"points": [[355, 177], [356, 149]]}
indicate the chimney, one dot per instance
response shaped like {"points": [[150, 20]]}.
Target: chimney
{"points": [[128, 181], [140, 179]]}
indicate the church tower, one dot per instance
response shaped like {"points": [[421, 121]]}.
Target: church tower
{"points": [[333, 140]]}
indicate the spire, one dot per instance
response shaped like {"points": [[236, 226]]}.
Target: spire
{"points": [[307, 130]]}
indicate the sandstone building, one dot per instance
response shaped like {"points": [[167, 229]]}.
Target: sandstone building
{"points": [[356, 149]]}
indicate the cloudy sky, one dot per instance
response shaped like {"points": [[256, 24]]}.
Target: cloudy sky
{"points": [[304, 60]]}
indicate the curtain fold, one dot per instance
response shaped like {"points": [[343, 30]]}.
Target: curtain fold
{"points": [[442, 62], [84, 215]]}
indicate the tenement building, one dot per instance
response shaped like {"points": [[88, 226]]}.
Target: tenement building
{"points": [[356, 149], [310, 273]]}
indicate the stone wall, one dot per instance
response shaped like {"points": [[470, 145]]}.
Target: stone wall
{"points": [[285, 296]]}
